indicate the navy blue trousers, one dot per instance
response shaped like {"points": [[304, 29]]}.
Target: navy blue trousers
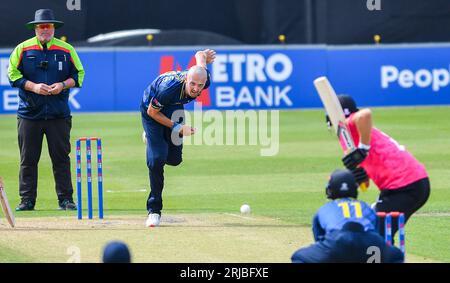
{"points": [[348, 245], [161, 150]]}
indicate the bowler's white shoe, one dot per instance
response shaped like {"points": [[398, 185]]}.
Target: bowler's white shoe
{"points": [[153, 220]]}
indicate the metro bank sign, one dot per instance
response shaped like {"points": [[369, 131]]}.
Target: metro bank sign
{"points": [[258, 77], [242, 80]]}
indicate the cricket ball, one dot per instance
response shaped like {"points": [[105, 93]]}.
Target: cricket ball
{"points": [[245, 209]]}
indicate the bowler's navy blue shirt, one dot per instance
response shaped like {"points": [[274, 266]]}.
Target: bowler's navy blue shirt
{"points": [[167, 91], [333, 215]]}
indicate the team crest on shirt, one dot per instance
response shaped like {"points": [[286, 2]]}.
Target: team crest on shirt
{"points": [[155, 103], [344, 187]]}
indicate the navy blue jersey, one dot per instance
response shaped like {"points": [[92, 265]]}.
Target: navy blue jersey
{"points": [[167, 91], [333, 215]]}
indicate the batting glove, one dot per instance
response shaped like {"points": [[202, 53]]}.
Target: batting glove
{"points": [[360, 175], [354, 158]]}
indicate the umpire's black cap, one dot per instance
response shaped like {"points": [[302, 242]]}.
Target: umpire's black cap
{"points": [[342, 184]]}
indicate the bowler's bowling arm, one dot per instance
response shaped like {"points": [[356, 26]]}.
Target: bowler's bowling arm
{"points": [[159, 117]]}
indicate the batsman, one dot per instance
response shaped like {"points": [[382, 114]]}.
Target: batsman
{"points": [[402, 180], [163, 121]]}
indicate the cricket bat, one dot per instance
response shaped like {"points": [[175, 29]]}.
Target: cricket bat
{"points": [[5, 205], [336, 115]]}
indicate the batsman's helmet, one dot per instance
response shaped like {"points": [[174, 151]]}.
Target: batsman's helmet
{"points": [[341, 184], [348, 105]]}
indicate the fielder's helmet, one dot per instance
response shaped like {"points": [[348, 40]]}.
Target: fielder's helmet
{"points": [[116, 252], [342, 184]]}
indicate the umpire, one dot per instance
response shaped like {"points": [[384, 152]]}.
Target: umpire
{"points": [[44, 68]]}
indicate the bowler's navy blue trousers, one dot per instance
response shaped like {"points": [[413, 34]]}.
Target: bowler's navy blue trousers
{"points": [[161, 150]]}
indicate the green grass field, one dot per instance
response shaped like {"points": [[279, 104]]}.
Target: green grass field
{"points": [[202, 196]]}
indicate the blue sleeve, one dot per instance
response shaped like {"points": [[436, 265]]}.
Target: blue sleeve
{"points": [[20, 83], [161, 98], [73, 73], [318, 231], [164, 90], [147, 97], [154, 102], [155, 95], [370, 214]]}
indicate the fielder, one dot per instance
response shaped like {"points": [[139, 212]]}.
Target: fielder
{"points": [[163, 121], [344, 228], [402, 180]]}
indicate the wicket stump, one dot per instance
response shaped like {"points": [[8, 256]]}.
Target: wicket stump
{"points": [[387, 217], [89, 177]]}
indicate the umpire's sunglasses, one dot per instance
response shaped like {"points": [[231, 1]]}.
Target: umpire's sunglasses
{"points": [[45, 26]]}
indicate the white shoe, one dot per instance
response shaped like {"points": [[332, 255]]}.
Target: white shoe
{"points": [[153, 220]]}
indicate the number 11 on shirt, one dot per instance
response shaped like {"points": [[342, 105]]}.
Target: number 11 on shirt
{"points": [[346, 209]]}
